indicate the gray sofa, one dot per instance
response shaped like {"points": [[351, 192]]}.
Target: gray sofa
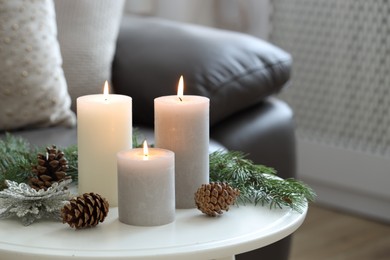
{"points": [[239, 73]]}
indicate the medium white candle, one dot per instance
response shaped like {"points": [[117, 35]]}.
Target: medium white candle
{"points": [[182, 126], [104, 127], [146, 187]]}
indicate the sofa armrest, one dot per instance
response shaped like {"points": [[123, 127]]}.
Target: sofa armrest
{"points": [[234, 70], [265, 132]]}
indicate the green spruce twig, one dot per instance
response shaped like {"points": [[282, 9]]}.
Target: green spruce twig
{"points": [[72, 157], [16, 156], [136, 142], [258, 184]]}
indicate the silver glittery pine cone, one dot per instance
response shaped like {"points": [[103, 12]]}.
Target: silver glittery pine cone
{"points": [[28, 204]]}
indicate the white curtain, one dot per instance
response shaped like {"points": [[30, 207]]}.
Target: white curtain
{"points": [[341, 73]]}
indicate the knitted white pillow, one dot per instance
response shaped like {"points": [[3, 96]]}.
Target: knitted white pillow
{"points": [[33, 91], [87, 32]]}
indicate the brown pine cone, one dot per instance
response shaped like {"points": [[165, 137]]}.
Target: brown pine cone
{"points": [[84, 211], [212, 198], [51, 168]]}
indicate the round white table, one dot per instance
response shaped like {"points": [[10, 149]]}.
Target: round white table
{"points": [[192, 236]]}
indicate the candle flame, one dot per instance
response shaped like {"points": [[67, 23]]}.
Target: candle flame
{"points": [[146, 150], [180, 88], [106, 90]]}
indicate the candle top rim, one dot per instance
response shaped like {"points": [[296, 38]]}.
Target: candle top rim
{"points": [[186, 99], [102, 97], [137, 154]]}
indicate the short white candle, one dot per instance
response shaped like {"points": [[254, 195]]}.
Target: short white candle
{"points": [[104, 127], [182, 126], [146, 186]]}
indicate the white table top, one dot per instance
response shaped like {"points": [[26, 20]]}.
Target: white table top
{"points": [[192, 236]]}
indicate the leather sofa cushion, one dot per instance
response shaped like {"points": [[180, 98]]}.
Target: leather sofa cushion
{"points": [[233, 69]]}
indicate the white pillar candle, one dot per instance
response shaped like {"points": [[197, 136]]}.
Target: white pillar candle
{"points": [[182, 126], [104, 127], [146, 187]]}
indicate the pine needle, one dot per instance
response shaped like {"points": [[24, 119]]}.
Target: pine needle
{"points": [[16, 156], [72, 157]]}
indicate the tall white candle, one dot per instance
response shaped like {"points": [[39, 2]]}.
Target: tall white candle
{"points": [[182, 126], [104, 127], [146, 187]]}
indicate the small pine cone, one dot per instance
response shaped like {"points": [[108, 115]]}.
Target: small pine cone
{"points": [[51, 168], [212, 198], [84, 211]]}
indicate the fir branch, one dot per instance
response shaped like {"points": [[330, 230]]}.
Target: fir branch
{"points": [[136, 136], [136, 143], [16, 156], [258, 184], [71, 155]]}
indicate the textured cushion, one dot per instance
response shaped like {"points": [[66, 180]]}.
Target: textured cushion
{"points": [[87, 32], [234, 70], [33, 89]]}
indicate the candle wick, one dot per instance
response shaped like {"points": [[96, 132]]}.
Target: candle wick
{"points": [[180, 99]]}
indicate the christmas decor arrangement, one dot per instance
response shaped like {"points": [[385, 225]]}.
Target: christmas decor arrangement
{"points": [[215, 197], [84, 211], [51, 168], [233, 177], [29, 204]]}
